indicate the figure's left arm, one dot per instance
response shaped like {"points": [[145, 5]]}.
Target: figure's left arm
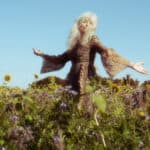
{"points": [[138, 67], [113, 62]]}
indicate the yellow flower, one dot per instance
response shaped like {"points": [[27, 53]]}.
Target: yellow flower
{"points": [[36, 76], [115, 88], [141, 113], [7, 78]]}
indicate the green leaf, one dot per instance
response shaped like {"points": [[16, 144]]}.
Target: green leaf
{"points": [[29, 117], [28, 99], [100, 102], [89, 88], [1, 142]]}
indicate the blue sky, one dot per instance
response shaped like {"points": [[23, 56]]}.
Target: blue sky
{"points": [[45, 24]]}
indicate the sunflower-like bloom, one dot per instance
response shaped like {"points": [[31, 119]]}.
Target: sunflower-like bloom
{"points": [[115, 88], [36, 76], [7, 78]]}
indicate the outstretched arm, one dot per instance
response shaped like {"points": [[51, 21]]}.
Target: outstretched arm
{"points": [[38, 52], [138, 67], [51, 62], [113, 62]]}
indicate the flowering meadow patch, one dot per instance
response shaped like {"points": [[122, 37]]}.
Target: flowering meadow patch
{"points": [[112, 115]]}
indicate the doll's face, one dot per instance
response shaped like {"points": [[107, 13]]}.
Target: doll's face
{"points": [[83, 25]]}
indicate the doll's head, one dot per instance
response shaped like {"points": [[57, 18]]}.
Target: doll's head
{"points": [[89, 18], [84, 26]]}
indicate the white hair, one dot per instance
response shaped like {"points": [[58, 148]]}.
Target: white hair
{"points": [[75, 36]]}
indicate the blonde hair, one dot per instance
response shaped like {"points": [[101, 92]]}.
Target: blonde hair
{"points": [[75, 36]]}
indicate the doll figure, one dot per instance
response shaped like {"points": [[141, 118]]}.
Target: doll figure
{"points": [[83, 45]]}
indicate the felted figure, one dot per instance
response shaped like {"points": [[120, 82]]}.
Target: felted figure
{"points": [[83, 45]]}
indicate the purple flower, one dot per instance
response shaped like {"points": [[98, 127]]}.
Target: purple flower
{"points": [[60, 90], [73, 92], [14, 118], [3, 148], [63, 105], [56, 139]]}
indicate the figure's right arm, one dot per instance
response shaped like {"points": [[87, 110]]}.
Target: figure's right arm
{"points": [[54, 58], [51, 62]]}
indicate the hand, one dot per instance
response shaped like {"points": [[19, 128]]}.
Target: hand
{"points": [[38, 52], [139, 67]]}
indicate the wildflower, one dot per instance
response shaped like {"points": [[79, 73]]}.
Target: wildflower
{"points": [[141, 144], [3, 148], [7, 78], [56, 139], [115, 88], [59, 90], [21, 135], [63, 106], [72, 92], [14, 118], [142, 114], [65, 89], [36, 76]]}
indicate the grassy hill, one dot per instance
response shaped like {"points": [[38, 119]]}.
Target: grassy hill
{"points": [[112, 115]]}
